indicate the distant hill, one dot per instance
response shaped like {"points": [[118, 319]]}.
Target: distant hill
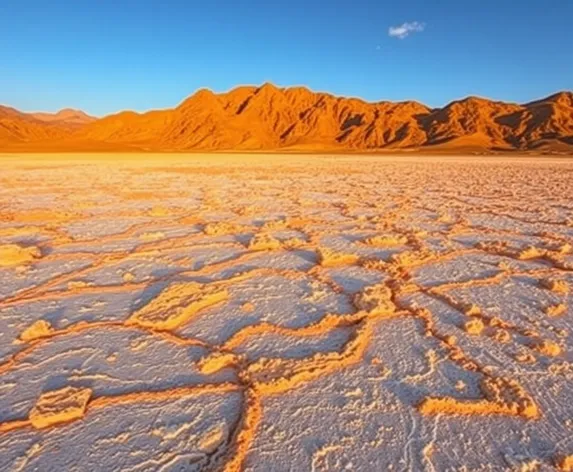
{"points": [[67, 116], [269, 118], [20, 128]]}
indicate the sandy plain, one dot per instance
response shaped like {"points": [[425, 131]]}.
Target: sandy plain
{"points": [[281, 312]]}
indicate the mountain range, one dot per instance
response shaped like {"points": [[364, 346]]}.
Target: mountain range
{"points": [[268, 118]]}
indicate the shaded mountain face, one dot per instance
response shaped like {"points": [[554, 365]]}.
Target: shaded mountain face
{"points": [[271, 118]]}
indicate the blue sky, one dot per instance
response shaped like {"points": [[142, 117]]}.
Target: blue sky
{"points": [[108, 55]]}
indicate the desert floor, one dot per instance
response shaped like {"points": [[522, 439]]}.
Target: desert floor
{"points": [[285, 313]]}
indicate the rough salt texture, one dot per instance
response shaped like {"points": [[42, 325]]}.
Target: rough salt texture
{"points": [[60, 406], [15, 255], [176, 305], [38, 329], [217, 312]]}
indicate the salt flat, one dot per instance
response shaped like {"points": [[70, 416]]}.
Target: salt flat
{"points": [[281, 312]]}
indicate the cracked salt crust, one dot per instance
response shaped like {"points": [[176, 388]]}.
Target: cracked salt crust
{"points": [[220, 318]]}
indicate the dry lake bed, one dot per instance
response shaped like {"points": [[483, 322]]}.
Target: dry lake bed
{"points": [[286, 313]]}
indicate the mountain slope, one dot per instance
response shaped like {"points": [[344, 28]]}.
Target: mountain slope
{"points": [[272, 118], [18, 127]]}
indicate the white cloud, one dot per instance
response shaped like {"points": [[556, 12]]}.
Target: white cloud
{"points": [[405, 29]]}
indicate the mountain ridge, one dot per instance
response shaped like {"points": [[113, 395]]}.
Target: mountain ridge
{"points": [[67, 116], [270, 118]]}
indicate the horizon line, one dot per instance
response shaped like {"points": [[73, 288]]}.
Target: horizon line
{"points": [[280, 87]]}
